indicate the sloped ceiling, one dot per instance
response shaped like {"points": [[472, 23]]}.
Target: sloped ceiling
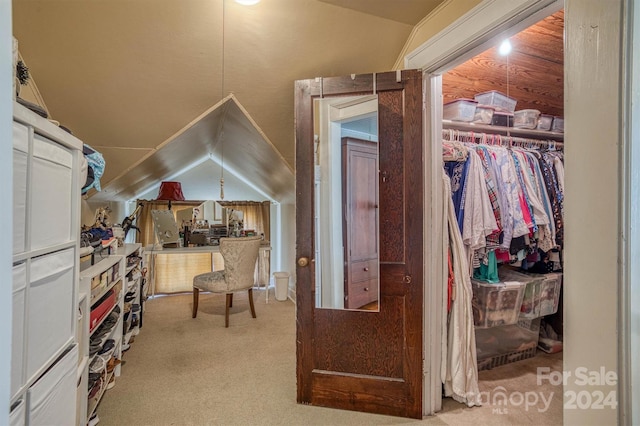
{"points": [[126, 75]]}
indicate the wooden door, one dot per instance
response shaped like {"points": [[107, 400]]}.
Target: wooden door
{"points": [[360, 227], [359, 360]]}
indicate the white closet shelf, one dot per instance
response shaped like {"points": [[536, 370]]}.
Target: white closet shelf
{"points": [[501, 130]]}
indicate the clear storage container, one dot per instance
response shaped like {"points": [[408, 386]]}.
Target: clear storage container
{"points": [[496, 304], [558, 124], [484, 114], [503, 345], [497, 99], [502, 118], [542, 295], [459, 110], [526, 118], [544, 122]]}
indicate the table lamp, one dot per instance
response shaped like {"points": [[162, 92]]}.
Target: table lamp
{"points": [[171, 191]]}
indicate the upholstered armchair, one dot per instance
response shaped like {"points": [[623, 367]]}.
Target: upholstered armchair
{"points": [[240, 255]]}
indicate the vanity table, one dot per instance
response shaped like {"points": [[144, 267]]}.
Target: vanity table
{"points": [[153, 251]]}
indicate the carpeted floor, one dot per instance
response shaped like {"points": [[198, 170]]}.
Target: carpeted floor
{"points": [[184, 371]]}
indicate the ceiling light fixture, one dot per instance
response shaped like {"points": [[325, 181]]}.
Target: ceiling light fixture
{"points": [[247, 2], [505, 47]]}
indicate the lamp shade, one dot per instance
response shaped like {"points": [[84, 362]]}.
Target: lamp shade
{"points": [[170, 191]]}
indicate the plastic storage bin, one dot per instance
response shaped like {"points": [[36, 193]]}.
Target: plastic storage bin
{"points": [[496, 304], [484, 114], [459, 110], [503, 345], [542, 295], [526, 118], [558, 124], [501, 118], [496, 99], [544, 122]]}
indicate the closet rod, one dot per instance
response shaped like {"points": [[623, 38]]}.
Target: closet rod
{"points": [[504, 131], [497, 139]]}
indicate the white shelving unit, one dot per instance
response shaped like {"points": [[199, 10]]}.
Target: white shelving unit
{"points": [[109, 290], [102, 286], [46, 211], [134, 289]]}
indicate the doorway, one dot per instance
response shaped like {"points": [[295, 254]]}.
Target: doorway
{"points": [[588, 287]]}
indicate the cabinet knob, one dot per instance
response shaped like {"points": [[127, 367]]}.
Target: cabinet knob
{"points": [[303, 261], [366, 269], [366, 289]]}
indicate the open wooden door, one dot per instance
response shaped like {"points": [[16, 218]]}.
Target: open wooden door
{"points": [[366, 360]]}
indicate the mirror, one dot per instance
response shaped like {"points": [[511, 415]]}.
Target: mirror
{"points": [[346, 202], [165, 228]]}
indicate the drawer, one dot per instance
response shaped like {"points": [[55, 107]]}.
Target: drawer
{"points": [[51, 189], [364, 270], [362, 292], [17, 336], [17, 417], [52, 399], [20, 157], [50, 308]]}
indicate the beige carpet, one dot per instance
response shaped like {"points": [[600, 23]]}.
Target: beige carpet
{"points": [[184, 371]]}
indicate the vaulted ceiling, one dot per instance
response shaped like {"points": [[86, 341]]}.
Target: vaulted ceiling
{"points": [[127, 75], [131, 76]]}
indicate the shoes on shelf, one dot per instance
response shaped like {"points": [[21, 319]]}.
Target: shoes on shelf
{"points": [[112, 364], [112, 382], [94, 420]]}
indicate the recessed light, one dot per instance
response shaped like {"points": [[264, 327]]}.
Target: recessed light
{"points": [[504, 49], [247, 2]]}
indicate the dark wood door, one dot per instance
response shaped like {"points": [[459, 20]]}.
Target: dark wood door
{"points": [[360, 227], [359, 360]]}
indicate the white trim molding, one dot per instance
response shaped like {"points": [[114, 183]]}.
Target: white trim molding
{"points": [[482, 23]]}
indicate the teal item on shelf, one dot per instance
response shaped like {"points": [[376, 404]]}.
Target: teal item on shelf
{"points": [[488, 272]]}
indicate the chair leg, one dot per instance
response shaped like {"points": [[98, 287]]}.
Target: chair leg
{"points": [[196, 293], [226, 312], [253, 309], [230, 300]]}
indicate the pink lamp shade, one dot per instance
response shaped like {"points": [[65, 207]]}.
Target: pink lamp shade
{"points": [[171, 191]]}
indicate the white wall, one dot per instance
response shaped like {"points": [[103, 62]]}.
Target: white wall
{"points": [[6, 171], [288, 244], [592, 144], [202, 182], [633, 301]]}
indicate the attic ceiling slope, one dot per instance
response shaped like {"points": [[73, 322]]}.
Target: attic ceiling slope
{"points": [[131, 73], [405, 11], [224, 133]]}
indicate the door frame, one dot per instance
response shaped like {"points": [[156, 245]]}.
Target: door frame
{"points": [[472, 33]]}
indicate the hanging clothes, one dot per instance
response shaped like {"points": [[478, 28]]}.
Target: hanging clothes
{"points": [[459, 371]]}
